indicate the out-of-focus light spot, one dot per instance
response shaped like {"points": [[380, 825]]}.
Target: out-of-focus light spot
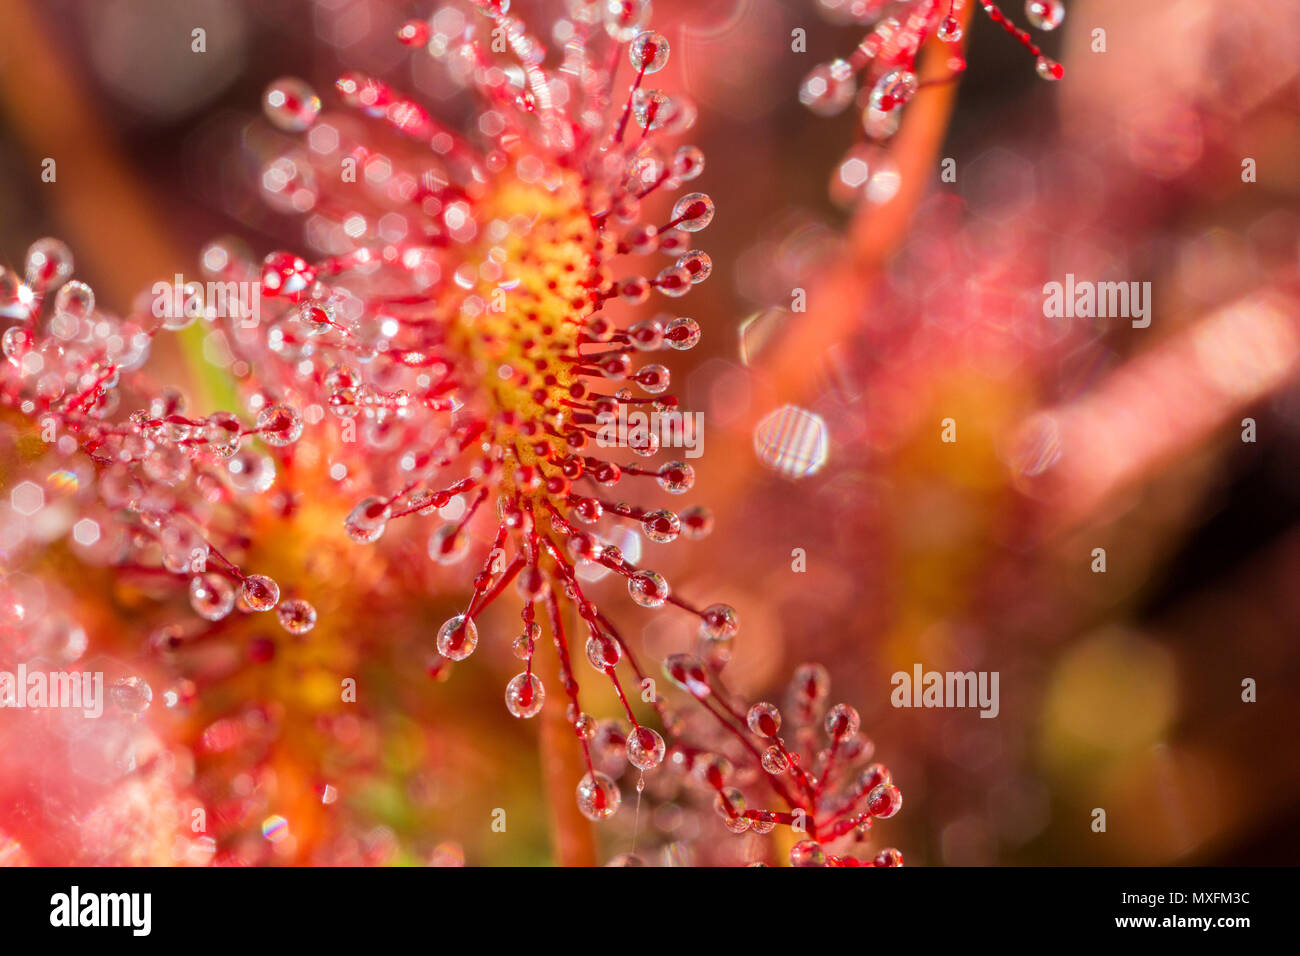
{"points": [[447, 854], [999, 185], [323, 138], [1175, 800], [866, 172], [967, 842], [1162, 139], [1113, 693], [1247, 348], [623, 538], [677, 854], [491, 123], [392, 227], [85, 532], [378, 170], [222, 735], [854, 173], [275, 828], [216, 257], [757, 330], [792, 441], [12, 852], [1036, 446], [216, 349], [530, 169], [455, 215], [884, 183], [64, 480], [276, 176], [1110, 438], [454, 509], [27, 498], [142, 51]]}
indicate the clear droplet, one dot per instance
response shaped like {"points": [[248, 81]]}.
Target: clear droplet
{"points": [[682, 334], [279, 425], [775, 762], [884, 801], [457, 638], [651, 109], [648, 588], [602, 653], [719, 622], [693, 212], [697, 263], [525, 695], [648, 52], [260, 592], [645, 748], [661, 526], [676, 478], [598, 796]]}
